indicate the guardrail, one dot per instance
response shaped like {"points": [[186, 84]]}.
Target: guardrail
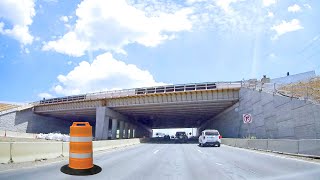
{"points": [[143, 91], [303, 147]]}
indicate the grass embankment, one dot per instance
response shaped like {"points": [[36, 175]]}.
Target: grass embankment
{"points": [[308, 89]]}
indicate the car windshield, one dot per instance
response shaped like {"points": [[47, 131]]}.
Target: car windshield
{"points": [[211, 133]]}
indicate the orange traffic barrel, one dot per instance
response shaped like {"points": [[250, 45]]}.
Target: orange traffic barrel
{"points": [[80, 154], [80, 151]]}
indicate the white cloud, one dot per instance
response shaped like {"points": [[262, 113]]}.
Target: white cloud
{"points": [[294, 8], [68, 44], [26, 50], [225, 4], [195, 1], [110, 25], [64, 19], [104, 73], [19, 13], [270, 14], [45, 95], [268, 3], [307, 6], [286, 27], [69, 62], [272, 55]]}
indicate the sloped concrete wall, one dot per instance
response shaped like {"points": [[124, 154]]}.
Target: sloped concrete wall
{"points": [[27, 121], [273, 117]]}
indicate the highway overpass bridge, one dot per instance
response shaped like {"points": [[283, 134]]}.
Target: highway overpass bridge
{"points": [[136, 111]]}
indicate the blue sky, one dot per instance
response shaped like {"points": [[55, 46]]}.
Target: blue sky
{"points": [[53, 48]]}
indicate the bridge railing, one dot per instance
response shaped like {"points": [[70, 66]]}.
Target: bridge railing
{"points": [[143, 91]]}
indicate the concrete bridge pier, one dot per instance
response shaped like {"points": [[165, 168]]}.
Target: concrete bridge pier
{"points": [[121, 128], [114, 128], [131, 131], [118, 121], [126, 130], [102, 124]]}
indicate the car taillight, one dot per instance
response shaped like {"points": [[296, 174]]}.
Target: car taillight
{"points": [[220, 137]]}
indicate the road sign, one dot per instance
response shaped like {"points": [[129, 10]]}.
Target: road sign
{"points": [[247, 118]]}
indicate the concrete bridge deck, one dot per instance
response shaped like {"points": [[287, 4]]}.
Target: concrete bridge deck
{"points": [[170, 106]]}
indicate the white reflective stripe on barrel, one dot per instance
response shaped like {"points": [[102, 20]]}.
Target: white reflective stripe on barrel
{"points": [[80, 156], [80, 139]]}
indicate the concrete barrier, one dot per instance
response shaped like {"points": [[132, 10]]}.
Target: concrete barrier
{"points": [[32, 151], [65, 149], [258, 143], [243, 143], [26, 151], [5, 152], [284, 145], [109, 144], [228, 141], [20, 134], [2, 133], [99, 145], [309, 146]]}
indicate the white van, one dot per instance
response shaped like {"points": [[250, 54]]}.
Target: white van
{"points": [[210, 137]]}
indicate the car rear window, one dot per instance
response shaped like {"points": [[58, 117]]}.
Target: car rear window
{"points": [[211, 133], [180, 133]]}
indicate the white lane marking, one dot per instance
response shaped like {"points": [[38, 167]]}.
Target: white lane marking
{"points": [[273, 155], [155, 152], [200, 151], [219, 164]]}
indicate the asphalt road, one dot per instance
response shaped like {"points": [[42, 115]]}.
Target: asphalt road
{"points": [[181, 161]]}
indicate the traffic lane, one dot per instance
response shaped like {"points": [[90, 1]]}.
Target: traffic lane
{"points": [[52, 171], [176, 161], [251, 164], [147, 161], [180, 161]]}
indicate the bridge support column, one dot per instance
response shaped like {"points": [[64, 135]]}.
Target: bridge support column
{"points": [[121, 129], [114, 128], [102, 124], [134, 132], [126, 130], [131, 131]]}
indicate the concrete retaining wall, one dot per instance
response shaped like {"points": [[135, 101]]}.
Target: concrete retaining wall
{"points": [[32, 151], [274, 117], [303, 146], [26, 121]]}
